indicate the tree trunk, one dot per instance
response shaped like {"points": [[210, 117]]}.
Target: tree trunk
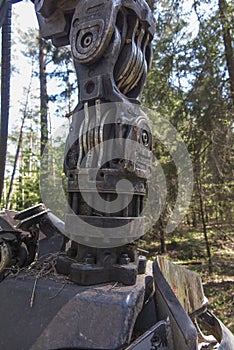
{"points": [[22, 181], [43, 94], [15, 162], [162, 236], [20, 139], [204, 225], [227, 39], [5, 93]]}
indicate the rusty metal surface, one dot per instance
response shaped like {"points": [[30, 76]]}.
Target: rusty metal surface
{"points": [[186, 285], [27, 233], [67, 315], [159, 337], [12, 252], [224, 338], [51, 228], [9, 215], [167, 306]]}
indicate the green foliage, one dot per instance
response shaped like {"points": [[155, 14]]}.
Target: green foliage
{"points": [[189, 85], [26, 192], [26, 183]]}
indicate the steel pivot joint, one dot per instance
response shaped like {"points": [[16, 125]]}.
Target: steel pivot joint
{"points": [[108, 151]]}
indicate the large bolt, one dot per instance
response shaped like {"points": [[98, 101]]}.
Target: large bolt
{"points": [[142, 265], [89, 259], [145, 138], [124, 259], [87, 40]]}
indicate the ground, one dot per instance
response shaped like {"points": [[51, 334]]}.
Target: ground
{"points": [[187, 247]]}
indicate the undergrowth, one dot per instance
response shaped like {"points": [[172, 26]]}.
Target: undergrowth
{"points": [[187, 246]]}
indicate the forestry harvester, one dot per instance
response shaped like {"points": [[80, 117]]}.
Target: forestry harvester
{"points": [[80, 283]]}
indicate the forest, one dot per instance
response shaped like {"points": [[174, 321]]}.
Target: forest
{"points": [[190, 84]]}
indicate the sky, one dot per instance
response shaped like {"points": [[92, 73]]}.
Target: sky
{"points": [[24, 17]]}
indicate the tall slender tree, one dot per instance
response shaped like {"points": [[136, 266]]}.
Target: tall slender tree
{"points": [[20, 139], [226, 17], [5, 88], [43, 93]]}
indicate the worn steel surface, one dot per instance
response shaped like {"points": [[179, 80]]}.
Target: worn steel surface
{"points": [[187, 287], [111, 48], [27, 233], [223, 339], [159, 337], [51, 228], [11, 248], [94, 265], [66, 315], [168, 306]]}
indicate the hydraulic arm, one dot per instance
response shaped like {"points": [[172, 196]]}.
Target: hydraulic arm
{"points": [[108, 150]]}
